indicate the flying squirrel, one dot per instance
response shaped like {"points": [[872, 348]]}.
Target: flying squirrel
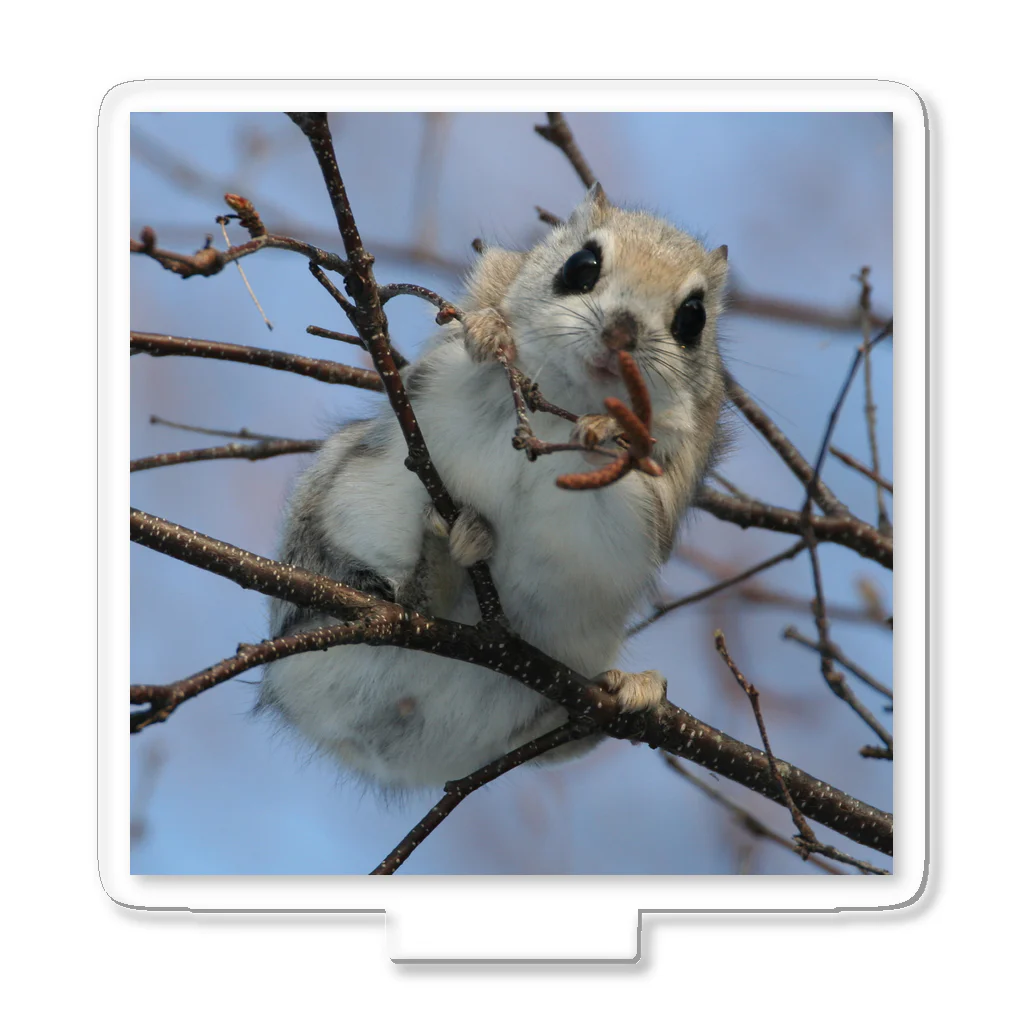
{"points": [[570, 566]]}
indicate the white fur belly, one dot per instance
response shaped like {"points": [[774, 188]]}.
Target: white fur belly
{"points": [[570, 569]]}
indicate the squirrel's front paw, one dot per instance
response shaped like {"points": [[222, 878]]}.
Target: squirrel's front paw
{"points": [[487, 332], [634, 691], [593, 431], [470, 540]]}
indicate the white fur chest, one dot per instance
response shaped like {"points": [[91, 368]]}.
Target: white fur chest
{"points": [[570, 566]]}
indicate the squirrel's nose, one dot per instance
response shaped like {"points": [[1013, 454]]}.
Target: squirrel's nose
{"points": [[620, 333]]}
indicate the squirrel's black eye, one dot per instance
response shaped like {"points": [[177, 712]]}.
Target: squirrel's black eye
{"points": [[580, 271], [689, 322]]}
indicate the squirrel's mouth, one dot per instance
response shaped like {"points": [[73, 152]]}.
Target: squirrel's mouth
{"points": [[605, 367]]}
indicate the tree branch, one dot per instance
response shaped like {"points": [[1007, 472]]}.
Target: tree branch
{"points": [[372, 326], [208, 261], [847, 531], [162, 700], [456, 792], [666, 727]]}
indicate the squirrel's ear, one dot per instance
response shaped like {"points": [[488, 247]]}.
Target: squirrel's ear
{"points": [[593, 210], [719, 265], [492, 275]]}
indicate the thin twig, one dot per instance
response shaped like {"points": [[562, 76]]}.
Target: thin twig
{"points": [[755, 703], [447, 311], [162, 700], [557, 132], [791, 633], [757, 593], [244, 434], [669, 606], [524, 438], [328, 285], [253, 219], [525, 394], [814, 484], [834, 679], [323, 332], [870, 410], [753, 825], [319, 369], [352, 339], [253, 452], [853, 463], [526, 397], [807, 841], [456, 792], [536, 402]]}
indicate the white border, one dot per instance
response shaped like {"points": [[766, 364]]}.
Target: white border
{"points": [[519, 917]]}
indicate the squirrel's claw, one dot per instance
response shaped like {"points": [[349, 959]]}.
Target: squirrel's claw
{"points": [[634, 691]]}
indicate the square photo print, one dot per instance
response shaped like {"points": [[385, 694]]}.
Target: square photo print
{"points": [[512, 493]]}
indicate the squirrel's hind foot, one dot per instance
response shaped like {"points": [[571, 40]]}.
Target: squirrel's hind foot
{"points": [[470, 540], [634, 691]]}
